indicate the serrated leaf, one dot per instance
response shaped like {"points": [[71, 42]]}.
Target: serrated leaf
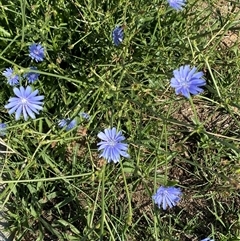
{"points": [[4, 33], [67, 224]]}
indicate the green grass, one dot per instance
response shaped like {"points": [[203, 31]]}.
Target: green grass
{"points": [[56, 187]]}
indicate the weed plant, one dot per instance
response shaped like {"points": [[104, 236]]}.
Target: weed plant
{"points": [[56, 187]]}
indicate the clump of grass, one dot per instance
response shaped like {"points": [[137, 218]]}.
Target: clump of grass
{"points": [[56, 187]]}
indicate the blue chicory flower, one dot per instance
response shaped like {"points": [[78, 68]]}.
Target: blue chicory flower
{"points": [[36, 52], [177, 4], [26, 103], [111, 146], [31, 76], [187, 81], [167, 196], [66, 123], [207, 239], [3, 130], [12, 78], [117, 35], [84, 115]]}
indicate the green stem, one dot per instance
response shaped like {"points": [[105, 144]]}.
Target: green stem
{"points": [[129, 217], [46, 179], [103, 203], [194, 111]]}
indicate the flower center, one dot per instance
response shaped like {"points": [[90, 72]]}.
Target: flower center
{"points": [[184, 83], [112, 142], [24, 101], [36, 51], [165, 193]]}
